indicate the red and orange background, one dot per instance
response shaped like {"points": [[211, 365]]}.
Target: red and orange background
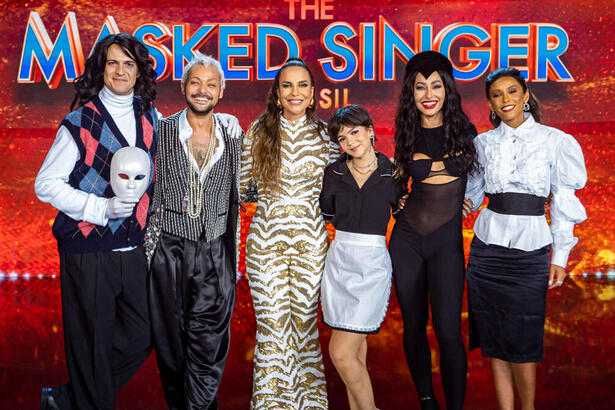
{"points": [[579, 367]]}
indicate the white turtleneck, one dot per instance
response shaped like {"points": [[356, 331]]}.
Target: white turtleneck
{"points": [[51, 183], [120, 108]]}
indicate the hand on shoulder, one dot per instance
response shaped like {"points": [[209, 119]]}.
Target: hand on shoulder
{"points": [[231, 123]]}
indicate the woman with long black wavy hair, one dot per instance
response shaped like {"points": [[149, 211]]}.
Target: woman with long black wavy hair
{"points": [[433, 146]]}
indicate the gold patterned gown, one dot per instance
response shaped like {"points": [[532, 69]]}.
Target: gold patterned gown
{"points": [[285, 255]]}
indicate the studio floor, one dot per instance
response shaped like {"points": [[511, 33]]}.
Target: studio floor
{"points": [[578, 371]]}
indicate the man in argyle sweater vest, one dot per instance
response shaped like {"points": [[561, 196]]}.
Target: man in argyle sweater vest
{"points": [[97, 139], [102, 261]]}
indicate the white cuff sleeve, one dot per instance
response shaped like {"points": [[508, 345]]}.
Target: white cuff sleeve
{"points": [[560, 257]]}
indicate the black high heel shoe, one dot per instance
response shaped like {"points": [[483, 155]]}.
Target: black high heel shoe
{"points": [[429, 403]]}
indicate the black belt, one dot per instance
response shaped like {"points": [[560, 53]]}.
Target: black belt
{"points": [[513, 203]]}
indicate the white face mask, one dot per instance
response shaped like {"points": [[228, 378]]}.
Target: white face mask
{"points": [[130, 172]]}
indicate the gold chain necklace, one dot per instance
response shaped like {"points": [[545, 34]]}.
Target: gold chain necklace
{"points": [[193, 200]]}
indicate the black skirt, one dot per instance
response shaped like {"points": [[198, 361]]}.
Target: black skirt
{"points": [[507, 290]]}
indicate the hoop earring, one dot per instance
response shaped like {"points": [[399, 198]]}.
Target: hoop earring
{"points": [[526, 107], [279, 104], [312, 103], [492, 115]]}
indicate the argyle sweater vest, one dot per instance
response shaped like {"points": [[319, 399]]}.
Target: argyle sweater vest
{"points": [[98, 138]]}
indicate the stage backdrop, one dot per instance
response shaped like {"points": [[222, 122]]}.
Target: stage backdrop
{"points": [[357, 50]]}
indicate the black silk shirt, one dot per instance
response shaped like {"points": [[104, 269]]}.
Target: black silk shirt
{"points": [[364, 210]]}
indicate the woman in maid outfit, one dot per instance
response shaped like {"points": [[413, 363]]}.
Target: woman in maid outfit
{"points": [[359, 192]]}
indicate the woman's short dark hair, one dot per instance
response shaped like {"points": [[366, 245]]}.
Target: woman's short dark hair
{"points": [[515, 74], [89, 84], [351, 115]]}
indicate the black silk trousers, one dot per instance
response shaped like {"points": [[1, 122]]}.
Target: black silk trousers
{"points": [[191, 299]]}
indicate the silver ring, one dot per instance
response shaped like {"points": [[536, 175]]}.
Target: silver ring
{"points": [[559, 282]]}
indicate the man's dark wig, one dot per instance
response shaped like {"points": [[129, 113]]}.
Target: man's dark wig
{"points": [[89, 84], [349, 116]]}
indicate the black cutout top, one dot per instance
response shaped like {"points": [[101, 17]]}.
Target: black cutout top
{"points": [[431, 205]]}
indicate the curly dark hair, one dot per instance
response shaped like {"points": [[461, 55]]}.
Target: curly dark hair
{"points": [[89, 84], [516, 74], [457, 126], [267, 143]]}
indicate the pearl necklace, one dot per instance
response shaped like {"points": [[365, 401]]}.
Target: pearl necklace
{"points": [[193, 200]]}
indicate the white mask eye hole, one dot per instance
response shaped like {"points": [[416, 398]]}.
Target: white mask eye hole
{"points": [[140, 177], [123, 176]]}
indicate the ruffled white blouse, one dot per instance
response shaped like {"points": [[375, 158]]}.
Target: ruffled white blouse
{"points": [[532, 159]]}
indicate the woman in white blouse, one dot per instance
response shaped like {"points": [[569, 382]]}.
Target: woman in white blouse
{"points": [[521, 162]]}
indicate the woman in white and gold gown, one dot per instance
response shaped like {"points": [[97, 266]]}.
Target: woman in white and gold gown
{"points": [[284, 155]]}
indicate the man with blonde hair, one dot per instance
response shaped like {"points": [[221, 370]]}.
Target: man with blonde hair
{"points": [[193, 268]]}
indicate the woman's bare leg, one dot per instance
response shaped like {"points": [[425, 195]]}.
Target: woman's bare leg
{"points": [[524, 375], [504, 383], [348, 353]]}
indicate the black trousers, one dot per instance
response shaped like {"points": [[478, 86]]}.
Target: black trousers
{"points": [[430, 269], [106, 325], [191, 296]]}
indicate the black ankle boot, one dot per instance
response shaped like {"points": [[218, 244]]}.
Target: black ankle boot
{"points": [[429, 403]]}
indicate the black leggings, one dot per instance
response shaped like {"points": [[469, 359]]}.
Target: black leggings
{"points": [[431, 265]]}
